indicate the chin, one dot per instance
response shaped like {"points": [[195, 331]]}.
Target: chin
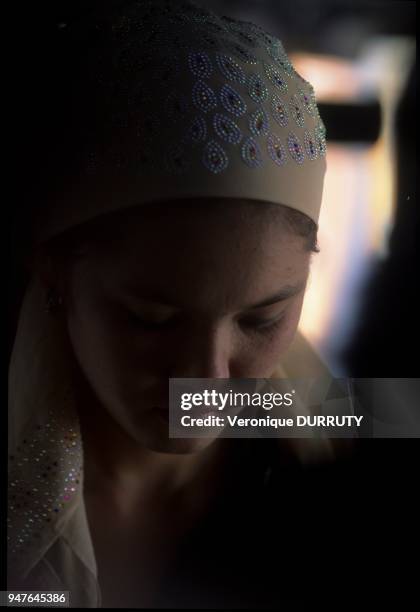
{"points": [[176, 446], [151, 431]]}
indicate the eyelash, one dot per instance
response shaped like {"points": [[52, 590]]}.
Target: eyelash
{"points": [[264, 328], [254, 326], [150, 325]]}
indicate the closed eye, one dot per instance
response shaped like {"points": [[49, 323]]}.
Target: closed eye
{"points": [[252, 325], [150, 324], [262, 325]]}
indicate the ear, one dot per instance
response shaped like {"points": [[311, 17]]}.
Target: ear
{"points": [[42, 264]]}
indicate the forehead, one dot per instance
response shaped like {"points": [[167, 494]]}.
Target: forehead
{"points": [[207, 229], [217, 257], [186, 217], [206, 256]]}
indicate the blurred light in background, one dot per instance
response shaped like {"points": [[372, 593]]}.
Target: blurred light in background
{"points": [[359, 195]]}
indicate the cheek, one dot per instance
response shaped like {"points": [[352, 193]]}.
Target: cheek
{"points": [[112, 356], [262, 353], [288, 330]]}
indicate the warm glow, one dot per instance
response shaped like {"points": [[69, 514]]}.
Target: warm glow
{"points": [[334, 79], [359, 194], [343, 238]]}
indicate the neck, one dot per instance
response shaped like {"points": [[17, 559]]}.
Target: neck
{"points": [[120, 468]]}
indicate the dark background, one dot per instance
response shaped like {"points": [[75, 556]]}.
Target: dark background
{"points": [[381, 475]]}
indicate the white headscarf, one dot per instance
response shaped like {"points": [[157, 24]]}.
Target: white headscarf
{"points": [[183, 103]]}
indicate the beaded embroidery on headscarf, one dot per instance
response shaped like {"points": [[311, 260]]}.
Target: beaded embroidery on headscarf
{"points": [[169, 100], [40, 491], [221, 82]]}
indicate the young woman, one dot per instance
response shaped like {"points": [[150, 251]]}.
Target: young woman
{"points": [[174, 240]]}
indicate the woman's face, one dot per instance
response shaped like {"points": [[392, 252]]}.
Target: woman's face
{"points": [[181, 294]]}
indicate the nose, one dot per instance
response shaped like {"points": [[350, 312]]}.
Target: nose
{"points": [[207, 353]]}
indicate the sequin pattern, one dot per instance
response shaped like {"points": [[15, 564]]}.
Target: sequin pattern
{"points": [[232, 101], [216, 27], [284, 62], [307, 102], [247, 39], [241, 53], [258, 122], [41, 481], [214, 157], [279, 111], [276, 150], [320, 140], [295, 148], [257, 89], [229, 68], [276, 77], [197, 131], [242, 87], [200, 65], [226, 129], [296, 111], [311, 147], [250, 153], [204, 97], [275, 49]]}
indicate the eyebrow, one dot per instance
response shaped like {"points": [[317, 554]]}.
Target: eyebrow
{"points": [[285, 293], [158, 299]]}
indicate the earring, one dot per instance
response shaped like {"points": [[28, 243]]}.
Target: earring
{"points": [[53, 301]]}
